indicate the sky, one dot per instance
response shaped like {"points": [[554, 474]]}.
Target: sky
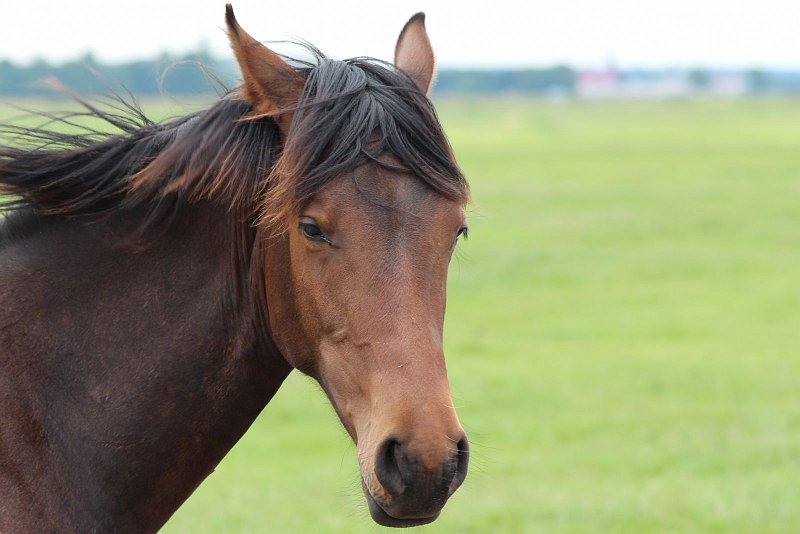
{"points": [[466, 33]]}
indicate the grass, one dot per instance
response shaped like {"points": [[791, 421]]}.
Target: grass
{"points": [[625, 326], [623, 334]]}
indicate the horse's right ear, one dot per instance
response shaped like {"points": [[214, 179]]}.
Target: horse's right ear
{"points": [[270, 84]]}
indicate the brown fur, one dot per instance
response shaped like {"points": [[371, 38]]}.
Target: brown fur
{"points": [[414, 54], [270, 85], [157, 286]]}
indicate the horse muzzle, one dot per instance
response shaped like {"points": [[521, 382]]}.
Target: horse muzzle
{"points": [[411, 491]]}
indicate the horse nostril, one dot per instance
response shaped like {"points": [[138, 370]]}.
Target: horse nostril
{"points": [[462, 463], [402, 476], [387, 466]]}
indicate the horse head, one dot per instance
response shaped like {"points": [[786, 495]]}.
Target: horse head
{"points": [[363, 210]]}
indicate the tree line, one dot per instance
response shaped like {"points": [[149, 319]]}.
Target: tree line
{"points": [[199, 73], [196, 73]]}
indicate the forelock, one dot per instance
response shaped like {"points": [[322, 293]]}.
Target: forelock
{"points": [[352, 112]]}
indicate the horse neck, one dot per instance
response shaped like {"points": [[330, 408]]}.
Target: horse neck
{"points": [[134, 372]]}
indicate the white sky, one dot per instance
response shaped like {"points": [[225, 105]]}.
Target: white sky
{"points": [[464, 33]]}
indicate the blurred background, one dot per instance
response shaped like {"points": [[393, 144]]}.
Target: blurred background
{"points": [[623, 328]]}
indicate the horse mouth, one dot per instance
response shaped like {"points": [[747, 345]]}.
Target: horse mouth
{"points": [[380, 516]]}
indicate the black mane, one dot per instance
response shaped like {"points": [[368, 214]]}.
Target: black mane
{"points": [[350, 113], [90, 174], [223, 155]]}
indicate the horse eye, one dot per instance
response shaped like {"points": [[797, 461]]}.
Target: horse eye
{"points": [[313, 232], [462, 232]]}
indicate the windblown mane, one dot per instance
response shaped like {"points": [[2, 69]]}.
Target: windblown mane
{"points": [[343, 105], [226, 155], [91, 174]]}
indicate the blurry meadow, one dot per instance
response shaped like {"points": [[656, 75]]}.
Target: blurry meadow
{"points": [[622, 333]]}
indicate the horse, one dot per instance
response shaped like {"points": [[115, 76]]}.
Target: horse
{"points": [[159, 282]]}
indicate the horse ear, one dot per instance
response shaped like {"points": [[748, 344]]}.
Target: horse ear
{"points": [[270, 84], [413, 52]]}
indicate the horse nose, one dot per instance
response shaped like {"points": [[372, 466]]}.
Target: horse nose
{"points": [[415, 489]]}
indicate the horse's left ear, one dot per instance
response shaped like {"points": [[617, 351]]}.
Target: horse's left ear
{"points": [[270, 84], [413, 53]]}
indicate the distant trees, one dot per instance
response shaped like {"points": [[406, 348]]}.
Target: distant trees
{"points": [[700, 78], [559, 80], [194, 74], [758, 81], [190, 75], [167, 74]]}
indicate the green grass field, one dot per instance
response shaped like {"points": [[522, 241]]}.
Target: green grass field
{"points": [[623, 334]]}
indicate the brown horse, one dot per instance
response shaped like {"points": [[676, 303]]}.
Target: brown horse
{"points": [[157, 285]]}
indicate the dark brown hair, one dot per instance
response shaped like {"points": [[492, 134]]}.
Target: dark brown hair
{"points": [[350, 113]]}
